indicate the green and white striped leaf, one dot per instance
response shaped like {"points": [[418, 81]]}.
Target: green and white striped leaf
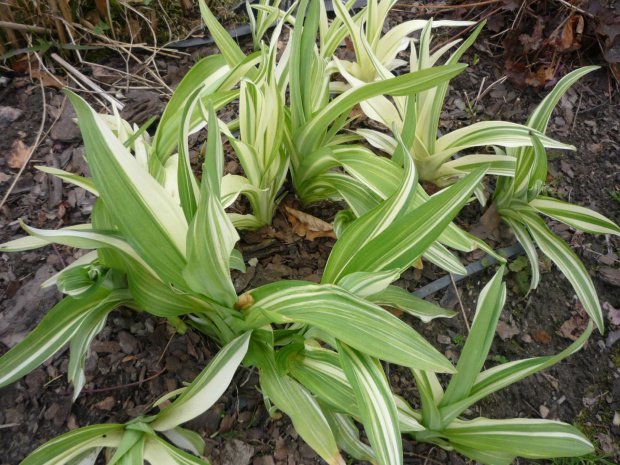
{"points": [[580, 218], [54, 331], [230, 50], [187, 184], [431, 394], [151, 221], [539, 118], [204, 391], [186, 439], [474, 354], [34, 242], [310, 135], [397, 297], [297, 402], [367, 284], [91, 325], [320, 371], [370, 225], [80, 181], [501, 133], [528, 245], [348, 436], [535, 439], [356, 322], [566, 260], [374, 399], [63, 449], [159, 452], [211, 237], [83, 238], [407, 238]]}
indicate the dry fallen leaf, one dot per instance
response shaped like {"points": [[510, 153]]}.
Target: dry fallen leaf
{"points": [[575, 325], [542, 337], [308, 226], [571, 34], [245, 301], [488, 223], [48, 80], [19, 154]]}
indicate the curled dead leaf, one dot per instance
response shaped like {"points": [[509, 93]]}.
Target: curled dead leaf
{"points": [[571, 34], [308, 226], [245, 301]]}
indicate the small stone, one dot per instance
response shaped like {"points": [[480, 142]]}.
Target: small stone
{"points": [[544, 411], [253, 261], [444, 339], [128, 343], [106, 404], [616, 420], [9, 114]]}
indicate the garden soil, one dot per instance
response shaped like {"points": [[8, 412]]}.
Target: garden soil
{"points": [[138, 357]]}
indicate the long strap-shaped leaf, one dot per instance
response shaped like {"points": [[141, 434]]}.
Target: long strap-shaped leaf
{"points": [[351, 319], [374, 399], [578, 217], [309, 137], [159, 452], [474, 354], [297, 402], [574, 270], [367, 227], [208, 386], [535, 439], [211, 236], [62, 449], [148, 217], [496, 378]]}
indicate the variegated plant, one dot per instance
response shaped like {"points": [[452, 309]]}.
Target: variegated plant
{"points": [[170, 254], [165, 244], [352, 385], [434, 156], [519, 203]]}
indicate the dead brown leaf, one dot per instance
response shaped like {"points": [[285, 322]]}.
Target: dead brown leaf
{"points": [[308, 226], [488, 223], [542, 337], [18, 155], [571, 34], [575, 325], [245, 301], [48, 80]]}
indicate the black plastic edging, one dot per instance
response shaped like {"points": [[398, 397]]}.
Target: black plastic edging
{"points": [[473, 268]]}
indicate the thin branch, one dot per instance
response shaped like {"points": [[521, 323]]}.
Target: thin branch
{"points": [[88, 82]]}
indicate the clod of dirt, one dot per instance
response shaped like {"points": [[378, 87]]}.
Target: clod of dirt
{"points": [[235, 452], [65, 129], [506, 331]]}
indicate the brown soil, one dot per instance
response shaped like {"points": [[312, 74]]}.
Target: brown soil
{"points": [[584, 389]]}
